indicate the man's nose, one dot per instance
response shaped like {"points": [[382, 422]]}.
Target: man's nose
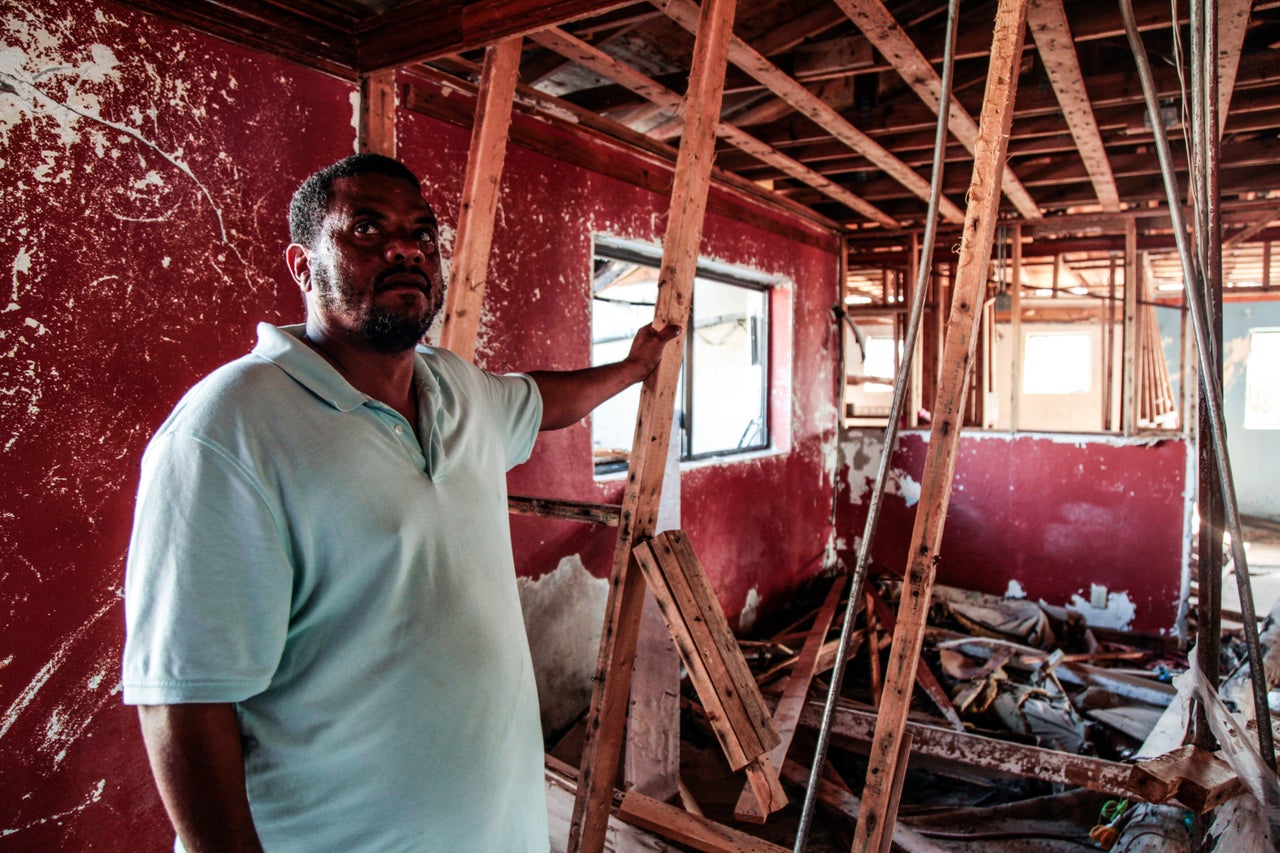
{"points": [[404, 248]]}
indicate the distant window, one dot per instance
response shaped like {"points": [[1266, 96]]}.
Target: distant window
{"points": [[722, 399], [1262, 380], [881, 363], [1057, 364]]}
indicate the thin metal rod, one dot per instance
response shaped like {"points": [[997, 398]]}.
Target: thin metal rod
{"points": [[890, 432], [1209, 382]]}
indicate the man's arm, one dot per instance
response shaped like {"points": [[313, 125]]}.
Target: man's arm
{"points": [[198, 761], [569, 396]]}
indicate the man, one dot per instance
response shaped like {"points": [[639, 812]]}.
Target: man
{"points": [[324, 636]]}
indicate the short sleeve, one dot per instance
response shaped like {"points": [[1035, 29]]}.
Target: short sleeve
{"points": [[517, 406], [207, 582]]}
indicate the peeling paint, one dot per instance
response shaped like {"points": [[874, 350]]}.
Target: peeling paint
{"points": [[1014, 590], [1118, 613], [750, 610]]}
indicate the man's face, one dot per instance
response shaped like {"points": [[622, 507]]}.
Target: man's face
{"points": [[374, 271]]}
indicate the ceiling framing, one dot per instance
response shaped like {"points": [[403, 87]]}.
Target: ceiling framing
{"points": [[830, 105]]}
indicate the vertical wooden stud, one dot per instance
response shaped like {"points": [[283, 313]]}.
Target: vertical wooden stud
{"points": [[653, 430], [376, 133], [480, 198], [939, 469]]}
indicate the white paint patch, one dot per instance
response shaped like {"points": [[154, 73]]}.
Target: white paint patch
{"points": [[1015, 590], [354, 99], [93, 796], [750, 610], [1118, 613], [563, 615]]}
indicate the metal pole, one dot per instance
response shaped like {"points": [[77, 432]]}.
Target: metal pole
{"points": [[890, 433], [1209, 382]]}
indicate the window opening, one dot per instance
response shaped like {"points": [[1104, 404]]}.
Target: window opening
{"points": [[1262, 381], [722, 396]]}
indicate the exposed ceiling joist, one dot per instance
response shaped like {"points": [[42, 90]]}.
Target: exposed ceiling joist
{"points": [[1052, 34], [883, 31]]}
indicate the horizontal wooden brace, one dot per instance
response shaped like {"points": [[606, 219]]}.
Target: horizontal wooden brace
{"points": [[606, 514]]}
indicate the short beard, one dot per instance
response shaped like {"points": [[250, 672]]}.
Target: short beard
{"points": [[389, 332]]}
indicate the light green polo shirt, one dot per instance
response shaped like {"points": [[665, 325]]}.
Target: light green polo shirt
{"points": [[297, 552]]}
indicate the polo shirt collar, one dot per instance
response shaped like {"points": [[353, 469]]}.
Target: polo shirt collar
{"points": [[283, 347]]}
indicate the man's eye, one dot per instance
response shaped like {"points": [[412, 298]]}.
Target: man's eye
{"points": [[364, 228], [426, 237]]}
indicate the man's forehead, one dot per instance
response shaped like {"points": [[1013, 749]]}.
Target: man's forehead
{"points": [[380, 194]]}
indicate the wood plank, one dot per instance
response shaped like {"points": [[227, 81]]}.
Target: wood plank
{"points": [[835, 795], [949, 407], [684, 12], [1129, 331], [1233, 23], [426, 29], [607, 712], [855, 728], [786, 715], [687, 572], [883, 31], [605, 514], [1052, 34], [700, 652], [925, 679], [376, 133], [597, 60], [479, 209], [572, 135], [692, 830]]}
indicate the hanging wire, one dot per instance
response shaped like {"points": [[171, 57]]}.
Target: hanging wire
{"points": [[890, 433]]}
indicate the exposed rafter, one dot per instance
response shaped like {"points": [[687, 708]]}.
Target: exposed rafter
{"points": [[883, 31], [1052, 34]]}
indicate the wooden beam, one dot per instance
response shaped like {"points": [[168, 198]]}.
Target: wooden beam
{"points": [[1129, 331], [480, 199], [559, 130], [607, 713], [684, 12], [426, 29], [689, 829], [605, 514], [376, 133], [1233, 23], [786, 715], [948, 411], [883, 31], [1052, 33], [602, 63], [1167, 778]]}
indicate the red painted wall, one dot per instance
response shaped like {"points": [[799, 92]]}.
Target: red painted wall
{"points": [[1052, 514], [144, 176]]}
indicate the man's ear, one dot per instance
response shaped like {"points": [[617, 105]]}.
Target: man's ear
{"points": [[298, 260]]}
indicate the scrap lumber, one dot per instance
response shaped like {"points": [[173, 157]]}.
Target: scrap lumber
{"points": [[1192, 776], [735, 709], [488, 152], [1205, 783], [835, 795], [925, 678], [692, 830], [646, 466], [786, 715], [949, 407]]}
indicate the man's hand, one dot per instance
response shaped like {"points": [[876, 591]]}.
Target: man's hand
{"points": [[569, 396], [648, 346]]}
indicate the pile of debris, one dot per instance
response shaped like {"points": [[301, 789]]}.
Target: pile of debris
{"points": [[1030, 731]]}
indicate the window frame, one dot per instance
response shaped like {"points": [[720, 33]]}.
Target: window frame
{"points": [[627, 251]]}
